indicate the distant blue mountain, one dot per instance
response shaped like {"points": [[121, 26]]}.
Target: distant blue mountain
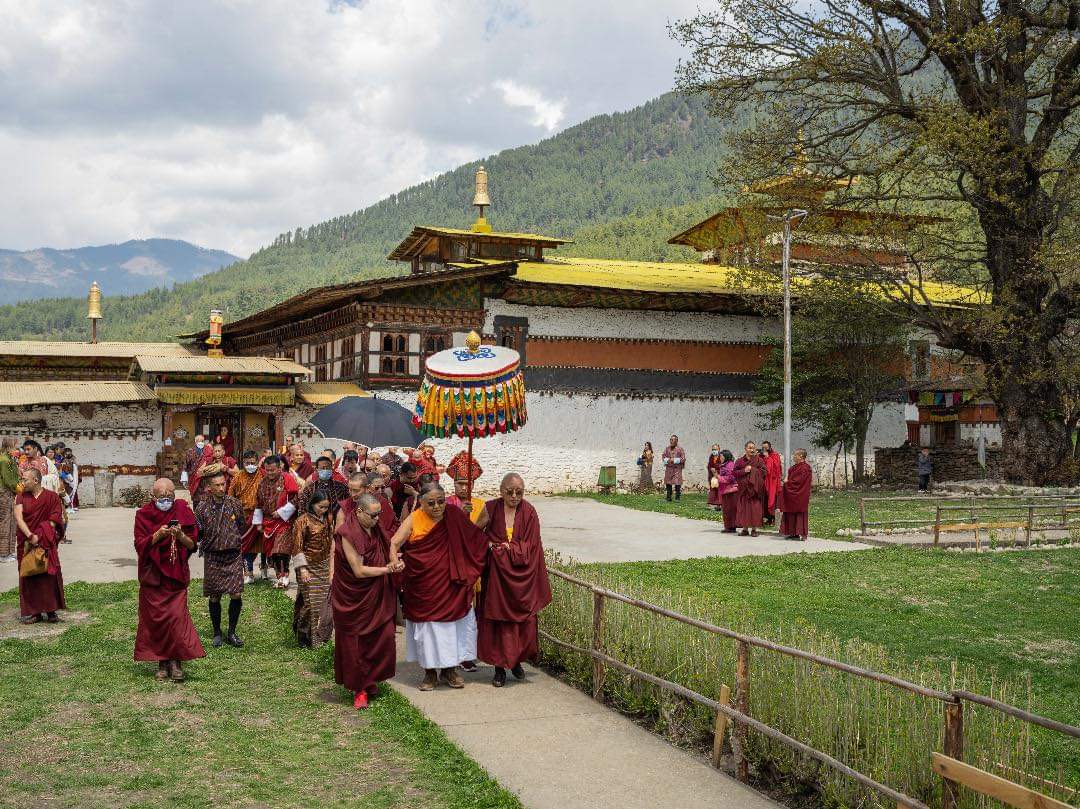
{"points": [[120, 269]]}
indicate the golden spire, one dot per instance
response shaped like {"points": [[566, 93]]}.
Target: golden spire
{"points": [[93, 309], [481, 200], [472, 341]]}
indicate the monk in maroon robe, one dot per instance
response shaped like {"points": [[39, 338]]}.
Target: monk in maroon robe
{"points": [[515, 584], [165, 535], [795, 499], [363, 600], [774, 474], [39, 515], [750, 478]]}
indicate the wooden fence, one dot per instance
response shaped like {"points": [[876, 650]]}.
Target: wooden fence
{"points": [[949, 764], [989, 511]]}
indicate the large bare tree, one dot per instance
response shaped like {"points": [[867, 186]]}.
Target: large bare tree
{"points": [[967, 110]]}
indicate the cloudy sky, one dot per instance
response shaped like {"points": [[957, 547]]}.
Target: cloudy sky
{"points": [[225, 123]]}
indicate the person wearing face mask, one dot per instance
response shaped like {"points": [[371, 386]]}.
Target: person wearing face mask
{"points": [[350, 464], [444, 558], [712, 475], [165, 536], [194, 460], [515, 583], [325, 481], [312, 544], [277, 499], [244, 486], [221, 539]]}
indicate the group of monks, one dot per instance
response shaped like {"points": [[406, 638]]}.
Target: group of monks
{"points": [[467, 576], [750, 489]]}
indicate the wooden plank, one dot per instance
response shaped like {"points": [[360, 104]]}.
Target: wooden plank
{"points": [[720, 728], [742, 697], [937, 525], [598, 644], [992, 785], [954, 748]]}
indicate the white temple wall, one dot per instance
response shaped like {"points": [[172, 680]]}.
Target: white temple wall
{"points": [[558, 321], [104, 435], [569, 437]]}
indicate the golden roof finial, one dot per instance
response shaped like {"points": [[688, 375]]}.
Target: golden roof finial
{"points": [[481, 200], [93, 302], [800, 156], [472, 342]]}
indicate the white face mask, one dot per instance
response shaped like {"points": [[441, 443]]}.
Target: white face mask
{"points": [[164, 503], [250, 468], [200, 444]]}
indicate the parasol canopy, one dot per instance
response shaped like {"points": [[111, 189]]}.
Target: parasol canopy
{"points": [[472, 391], [367, 420]]}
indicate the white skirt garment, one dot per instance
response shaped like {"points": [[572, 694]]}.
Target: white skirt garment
{"points": [[441, 644]]}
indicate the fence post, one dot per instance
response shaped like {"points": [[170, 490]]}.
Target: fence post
{"points": [[862, 515], [1030, 525], [720, 727], [742, 705], [937, 524], [978, 543], [954, 748], [973, 508], [598, 644]]}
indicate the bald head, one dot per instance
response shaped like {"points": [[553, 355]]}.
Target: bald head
{"points": [[163, 487], [512, 479]]}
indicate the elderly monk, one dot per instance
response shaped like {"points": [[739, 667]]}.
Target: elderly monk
{"points": [[795, 499], [221, 537], [515, 583], [194, 460], [674, 458], [363, 600], [165, 535], [750, 478], [444, 558], [324, 481], [300, 462], [244, 486], [375, 485], [774, 475], [277, 497], [39, 515]]}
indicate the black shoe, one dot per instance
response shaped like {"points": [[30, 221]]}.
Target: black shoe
{"points": [[232, 640], [216, 642], [499, 680], [469, 666], [518, 672]]}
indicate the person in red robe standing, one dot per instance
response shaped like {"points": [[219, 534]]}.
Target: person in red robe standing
{"points": [[774, 475], [225, 438], [515, 583], [39, 515], [750, 478], [165, 536], [712, 476], [729, 492], [276, 499], [300, 462], [795, 499], [363, 600], [194, 459]]}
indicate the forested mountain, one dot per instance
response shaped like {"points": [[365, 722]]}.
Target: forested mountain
{"points": [[611, 181], [134, 266]]}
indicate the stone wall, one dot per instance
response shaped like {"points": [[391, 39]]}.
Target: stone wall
{"points": [[896, 466], [99, 435]]}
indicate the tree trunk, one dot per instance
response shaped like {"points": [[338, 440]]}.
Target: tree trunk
{"points": [[1035, 439]]}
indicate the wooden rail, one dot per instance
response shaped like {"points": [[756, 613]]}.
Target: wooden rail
{"points": [[1059, 504], [740, 716]]}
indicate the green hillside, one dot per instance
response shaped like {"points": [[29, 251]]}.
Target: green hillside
{"points": [[619, 184]]}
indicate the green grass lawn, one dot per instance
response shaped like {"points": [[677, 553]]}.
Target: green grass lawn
{"points": [[1007, 617], [82, 725]]}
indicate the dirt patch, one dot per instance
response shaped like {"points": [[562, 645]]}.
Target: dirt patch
{"points": [[124, 562], [1048, 651], [11, 628]]}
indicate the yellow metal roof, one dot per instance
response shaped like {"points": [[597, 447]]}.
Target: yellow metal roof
{"points": [[325, 393], [493, 234], [202, 364], [675, 277], [15, 394], [47, 348]]}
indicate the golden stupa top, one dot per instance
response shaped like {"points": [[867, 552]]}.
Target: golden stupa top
{"points": [[93, 302]]}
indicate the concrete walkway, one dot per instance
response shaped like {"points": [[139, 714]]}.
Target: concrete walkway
{"points": [[585, 530], [556, 748]]}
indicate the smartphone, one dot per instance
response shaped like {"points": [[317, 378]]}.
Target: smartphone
{"points": [[173, 523]]}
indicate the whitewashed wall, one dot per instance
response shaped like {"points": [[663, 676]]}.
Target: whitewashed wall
{"points": [[569, 437], [557, 321], [96, 451]]}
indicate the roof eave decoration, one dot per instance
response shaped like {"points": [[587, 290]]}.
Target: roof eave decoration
{"points": [[418, 237]]}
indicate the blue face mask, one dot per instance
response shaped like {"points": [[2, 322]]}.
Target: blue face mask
{"points": [[715, 452], [164, 503], [326, 474]]}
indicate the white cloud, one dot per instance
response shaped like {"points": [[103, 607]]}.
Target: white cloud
{"points": [[227, 122]]}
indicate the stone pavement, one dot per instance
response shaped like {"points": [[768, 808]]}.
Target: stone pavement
{"points": [[585, 530]]}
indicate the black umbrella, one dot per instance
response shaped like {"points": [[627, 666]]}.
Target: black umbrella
{"points": [[369, 421]]}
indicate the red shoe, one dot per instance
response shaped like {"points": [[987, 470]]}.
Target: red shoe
{"points": [[360, 701]]}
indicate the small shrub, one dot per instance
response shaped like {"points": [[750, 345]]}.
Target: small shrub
{"points": [[134, 497]]}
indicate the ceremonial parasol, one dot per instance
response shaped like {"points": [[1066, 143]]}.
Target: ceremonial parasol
{"points": [[367, 420], [473, 392]]}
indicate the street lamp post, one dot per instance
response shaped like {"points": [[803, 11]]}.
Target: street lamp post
{"points": [[789, 217]]}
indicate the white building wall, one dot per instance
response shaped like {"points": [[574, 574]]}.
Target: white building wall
{"points": [[569, 437], [101, 448], [557, 321]]}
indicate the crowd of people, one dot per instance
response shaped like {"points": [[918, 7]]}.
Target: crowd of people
{"points": [[374, 541], [748, 490]]}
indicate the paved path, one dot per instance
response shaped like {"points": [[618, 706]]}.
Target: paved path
{"points": [[556, 748], [585, 530]]}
